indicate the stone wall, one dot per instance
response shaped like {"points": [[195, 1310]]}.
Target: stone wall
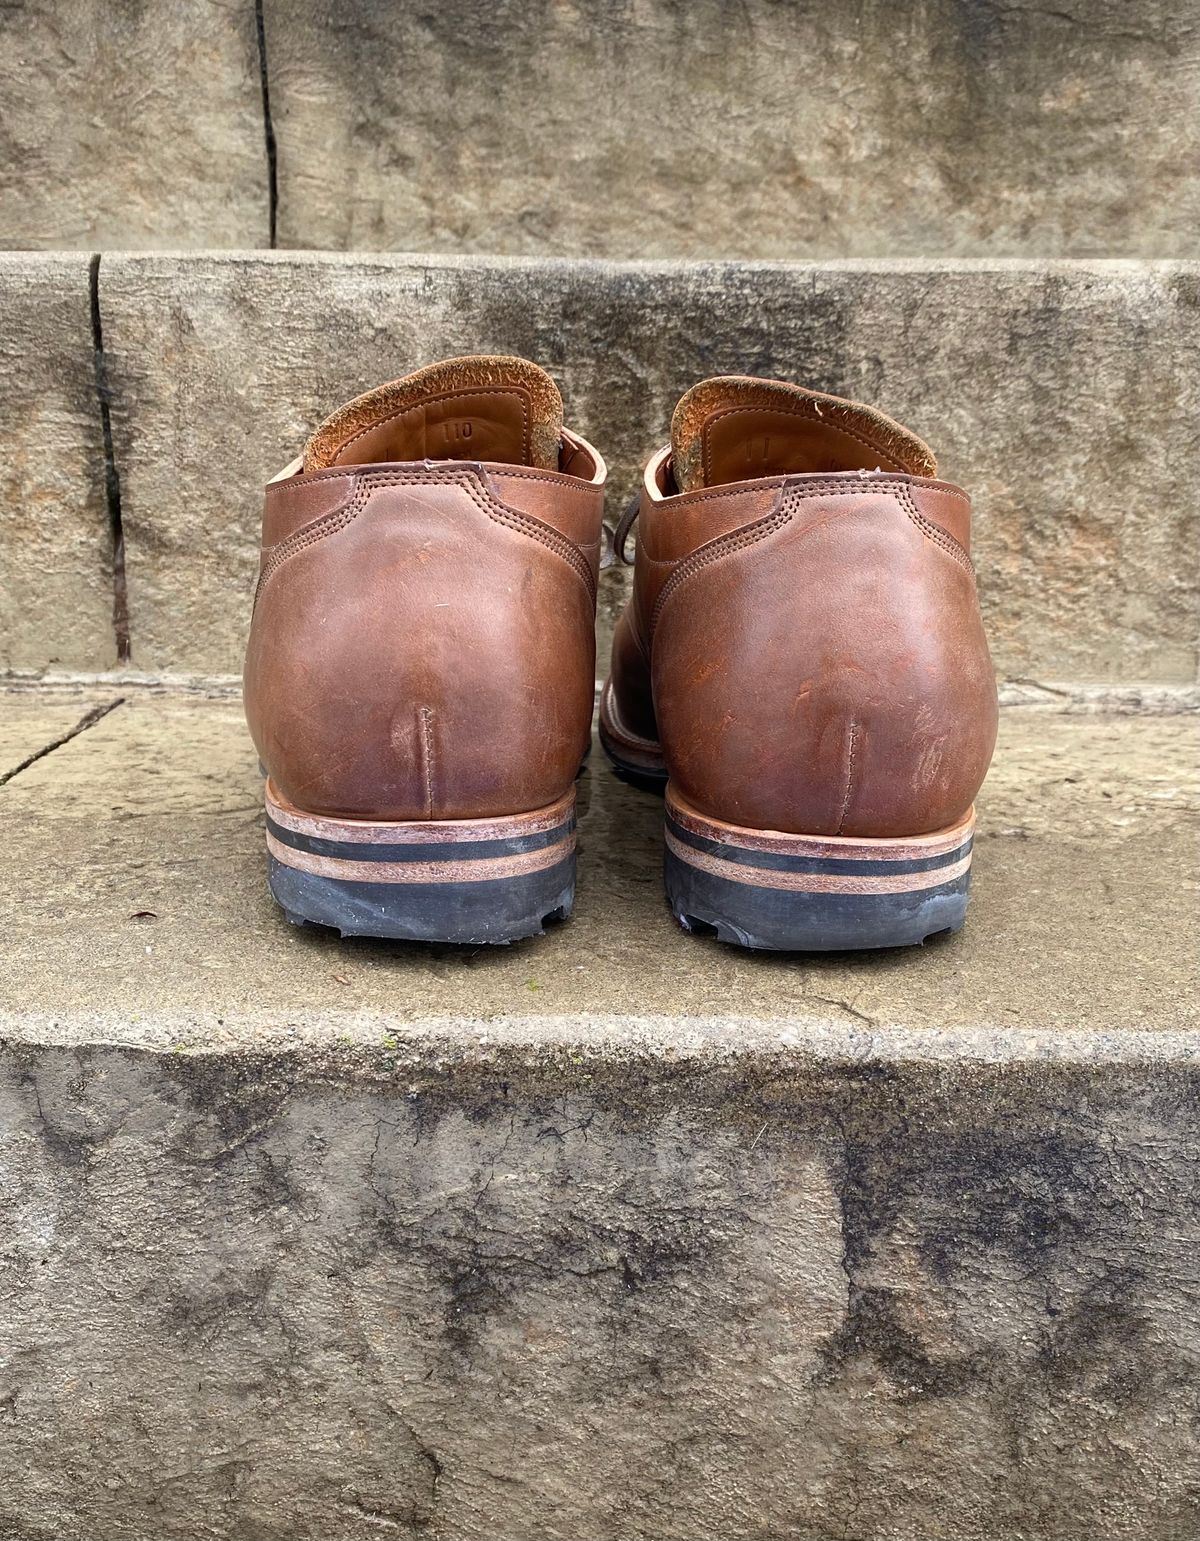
{"points": [[634, 128], [1043, 387], [434, 1291]]}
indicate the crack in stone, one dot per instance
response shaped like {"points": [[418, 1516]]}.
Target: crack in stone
{"points": [[88, 720], [491, 1177], [1032, 684], [112, 479], [436, 1468], [260, 27], [829, 1000]]}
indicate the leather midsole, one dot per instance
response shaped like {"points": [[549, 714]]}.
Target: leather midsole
{"points": [[817, 863], [420, 851]]}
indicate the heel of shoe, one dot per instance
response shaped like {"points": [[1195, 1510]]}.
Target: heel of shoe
{"points": [[638, 761], [814, 893], [448, 880]]}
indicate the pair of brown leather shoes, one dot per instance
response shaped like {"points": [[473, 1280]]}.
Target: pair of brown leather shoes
{"points": [[802, 664]]}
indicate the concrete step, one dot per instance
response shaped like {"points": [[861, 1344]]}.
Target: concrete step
{"points": [[1045, 388], [618, 1232], [56, 545], [623, 130]]}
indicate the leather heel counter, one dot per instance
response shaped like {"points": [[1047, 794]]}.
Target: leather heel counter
{"points": [[427, 658], [830, 676]]}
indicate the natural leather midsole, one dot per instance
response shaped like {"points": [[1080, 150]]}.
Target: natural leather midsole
{"points": [[831, 864], [432, 851]]}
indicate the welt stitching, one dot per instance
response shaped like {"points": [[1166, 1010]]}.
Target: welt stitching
{"points": [[808, 417], [331, 473], [732, 492], [691, 498], [328, 524], [840, 485], [277, 489], [777, 483], [844, 482], [560, 478], [940, 486], [750, 536], [573, 482], [499, 390], [500, 513], [526, 524]]}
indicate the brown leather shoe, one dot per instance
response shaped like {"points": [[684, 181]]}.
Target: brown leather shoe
{"points": [[803, 661], [420, 672]]}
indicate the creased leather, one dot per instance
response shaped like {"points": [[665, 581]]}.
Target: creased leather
{"points": [[416, 650], [808, 650]]}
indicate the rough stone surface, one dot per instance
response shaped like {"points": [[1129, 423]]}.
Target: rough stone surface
{"points": [[55, 537], [435, 1298], [28, 730], [626, 129], [613, 1233], [663, 129], [128, 125], [1044, 388], [158, 808]]}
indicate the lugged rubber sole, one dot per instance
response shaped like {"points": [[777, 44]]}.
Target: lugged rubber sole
{"points": [[450, 880], [813, 893]]}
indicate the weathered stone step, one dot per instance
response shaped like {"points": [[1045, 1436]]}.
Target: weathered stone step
{"points": [[616, 1233], [655, 129], [1064, 395]]}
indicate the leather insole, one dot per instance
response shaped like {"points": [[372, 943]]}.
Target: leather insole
{"points": [[734, 428], [486, 407]]}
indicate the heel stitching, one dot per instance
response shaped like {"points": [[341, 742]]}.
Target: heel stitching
{"points": [[849, 778]]}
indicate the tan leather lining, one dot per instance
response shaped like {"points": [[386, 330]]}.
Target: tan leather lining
{"points": [[485, 407], [733, 428], [456, 425]]}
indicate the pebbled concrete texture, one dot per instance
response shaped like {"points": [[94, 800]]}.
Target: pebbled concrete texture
{"points": [[613, 1233], [1042, 386], [157, 808], [131, 125], [56, 542]]}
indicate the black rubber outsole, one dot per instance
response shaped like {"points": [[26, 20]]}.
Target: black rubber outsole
{"points": [[774, 920], [783, 919], [493, 911]]}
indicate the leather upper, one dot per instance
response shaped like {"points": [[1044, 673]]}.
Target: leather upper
{"points": [[422, 645], [808, 650]]}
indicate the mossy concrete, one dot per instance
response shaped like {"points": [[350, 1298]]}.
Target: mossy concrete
{"points": [[618, 1232]]}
